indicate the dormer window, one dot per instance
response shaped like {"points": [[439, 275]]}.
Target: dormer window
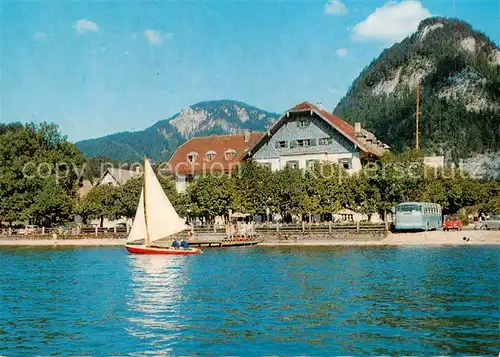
{"points": [[229, 154], [211, 155], [192, 156]]}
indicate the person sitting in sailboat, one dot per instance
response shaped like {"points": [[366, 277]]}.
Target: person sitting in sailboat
{"points": [[184, 244], [175, 244]]}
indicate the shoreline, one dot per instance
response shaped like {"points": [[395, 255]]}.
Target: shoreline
{"points": [[434, 238]]}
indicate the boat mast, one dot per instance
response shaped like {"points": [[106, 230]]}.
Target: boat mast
{"points": [[147, 241]]}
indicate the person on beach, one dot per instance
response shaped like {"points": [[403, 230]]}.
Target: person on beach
{"points": [[175, 244]]}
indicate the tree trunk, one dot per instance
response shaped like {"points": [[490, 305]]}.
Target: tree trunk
{"points": [[102, 221]]}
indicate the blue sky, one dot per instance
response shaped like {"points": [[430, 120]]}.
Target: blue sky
{"points": [[96, 68]]}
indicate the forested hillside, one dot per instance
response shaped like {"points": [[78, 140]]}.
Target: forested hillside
{"points": [[159, 141], [458, 70]]}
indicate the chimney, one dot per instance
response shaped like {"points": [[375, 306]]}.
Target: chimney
{"points": [[246, 134], [320, 105], [357, 128]]}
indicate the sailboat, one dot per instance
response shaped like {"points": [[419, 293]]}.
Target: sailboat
{"points": [[155, 219]]}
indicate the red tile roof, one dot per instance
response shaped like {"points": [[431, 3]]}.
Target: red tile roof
{"points": [[219, 144], [342, 126]]}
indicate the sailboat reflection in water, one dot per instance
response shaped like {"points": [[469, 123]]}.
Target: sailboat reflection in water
{"points": [[155, 219], [155, 305]]}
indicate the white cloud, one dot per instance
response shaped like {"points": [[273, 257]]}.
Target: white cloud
{"points": [[391, 22], [342, 52], [39, 36], [335, 7], [156, 37], [83, 26]]}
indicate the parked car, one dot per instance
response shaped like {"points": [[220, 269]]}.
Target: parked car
{"points": [[452, 222], [491, 223], [29, 229]]}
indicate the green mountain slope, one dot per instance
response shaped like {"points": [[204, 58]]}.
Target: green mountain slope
{"points": [[459, 73], [160, 140]]}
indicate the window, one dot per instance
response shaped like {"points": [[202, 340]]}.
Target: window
{"points": [[188, 178], [302, 143], [325, 141], [211, 155], [192, 156], [292, 164], [409, 208], [266, 165], [346, 164], [229, 154], [303, 123], [311, 163], [281, 144]]}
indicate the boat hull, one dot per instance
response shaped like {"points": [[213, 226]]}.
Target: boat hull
{"points": [[138, 249]]}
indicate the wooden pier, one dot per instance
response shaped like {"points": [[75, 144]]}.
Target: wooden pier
{"points": [[222, 243]]}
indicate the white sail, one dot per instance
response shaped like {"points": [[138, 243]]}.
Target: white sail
{"points": [[155, 207], [162, 219], [138, 231]]}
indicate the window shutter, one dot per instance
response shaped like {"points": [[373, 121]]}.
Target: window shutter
{"points": [[330, 141], [277, 144], [293, 144], [312, 142]]}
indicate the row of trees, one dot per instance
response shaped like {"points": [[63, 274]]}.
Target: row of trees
{"points": [[40, 171], [327, 188], [324, 189]]}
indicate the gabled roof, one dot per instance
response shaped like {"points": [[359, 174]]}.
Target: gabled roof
{"points": [[219, 144], [119, 175], [343, 127]]}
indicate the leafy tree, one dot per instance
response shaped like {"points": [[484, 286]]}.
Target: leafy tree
{"points": [[254, 185], [52, 205], [101, 202], [289, 192], [128, 198], [212, 196], [33, 157], [330, 184]]}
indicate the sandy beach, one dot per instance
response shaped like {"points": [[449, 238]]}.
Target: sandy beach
{"points": [[399, 239]]}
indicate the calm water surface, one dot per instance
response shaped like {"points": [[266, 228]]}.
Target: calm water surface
{"points": [[251, 301]]}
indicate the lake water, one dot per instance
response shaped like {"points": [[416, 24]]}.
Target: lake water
{"points": [[251, 301]]}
